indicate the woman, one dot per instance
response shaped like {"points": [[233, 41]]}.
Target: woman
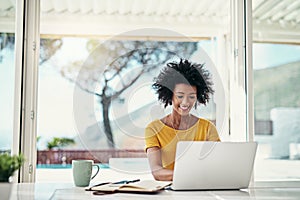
{"points": [[181, 85]]}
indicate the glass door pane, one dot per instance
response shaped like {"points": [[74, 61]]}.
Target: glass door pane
{"points": [[79, 80], [276, 65], [7, 73]]}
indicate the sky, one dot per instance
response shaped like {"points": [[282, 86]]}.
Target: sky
{"points": [[55, 97], [271, 55]]}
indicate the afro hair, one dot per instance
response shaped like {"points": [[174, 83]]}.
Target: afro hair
{"points": [[183, 72]]}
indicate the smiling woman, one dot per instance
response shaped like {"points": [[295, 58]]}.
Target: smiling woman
{"points": [[182, 85], [183, 100]]}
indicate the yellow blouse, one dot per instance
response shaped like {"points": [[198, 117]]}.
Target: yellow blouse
{"points": [[157, 134]]}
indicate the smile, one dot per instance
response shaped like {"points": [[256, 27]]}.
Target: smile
{"points": [[184, 107]]}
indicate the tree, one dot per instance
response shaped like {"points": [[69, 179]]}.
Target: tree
{"points": [[48, 47], [123, 62], [59, 142]]}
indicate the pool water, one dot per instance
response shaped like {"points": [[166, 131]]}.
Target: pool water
{"points": [[64, 166]]}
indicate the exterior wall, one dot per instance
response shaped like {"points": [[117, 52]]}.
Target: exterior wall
{"points": [[286, 130], [99, 156]]}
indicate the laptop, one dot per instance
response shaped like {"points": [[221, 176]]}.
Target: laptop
{"points": [[213, 165]]}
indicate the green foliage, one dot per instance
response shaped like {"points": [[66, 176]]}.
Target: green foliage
{"points": [[48, 48], [59, 142], [9, 164]]}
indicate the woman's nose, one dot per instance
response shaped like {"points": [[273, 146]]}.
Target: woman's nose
{"points": [[185, 100]]}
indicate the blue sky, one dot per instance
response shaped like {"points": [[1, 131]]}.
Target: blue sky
{"points": [[271, 55]]}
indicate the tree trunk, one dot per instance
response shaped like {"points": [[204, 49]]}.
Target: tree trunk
{"points": [[106, 102]]}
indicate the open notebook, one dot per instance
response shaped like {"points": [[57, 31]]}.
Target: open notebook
{"points": [[145, 186]]}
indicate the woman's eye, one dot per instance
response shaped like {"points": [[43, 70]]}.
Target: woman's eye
{"points": [[192, 97], [179, 97]]}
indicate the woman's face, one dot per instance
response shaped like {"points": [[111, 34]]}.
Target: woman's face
{"points": [[184, 98]]}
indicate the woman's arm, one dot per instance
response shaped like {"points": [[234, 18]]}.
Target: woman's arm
{"points": [[158, 172]]}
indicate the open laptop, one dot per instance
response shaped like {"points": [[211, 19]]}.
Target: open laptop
{"points": [[213, 165]]}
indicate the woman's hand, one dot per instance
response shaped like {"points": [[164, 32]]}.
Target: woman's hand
{"points": [[158, 172]]}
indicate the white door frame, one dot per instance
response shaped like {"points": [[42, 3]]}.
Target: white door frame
{"points": [[26, 67], [26, 73]]}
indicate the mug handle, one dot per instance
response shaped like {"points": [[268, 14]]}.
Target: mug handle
{"points": [[98, 168]]}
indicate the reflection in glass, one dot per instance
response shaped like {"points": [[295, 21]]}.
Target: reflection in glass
{"points": [[7, 73]]}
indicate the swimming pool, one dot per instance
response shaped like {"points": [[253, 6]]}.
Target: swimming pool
{"points": [[65, 166]]}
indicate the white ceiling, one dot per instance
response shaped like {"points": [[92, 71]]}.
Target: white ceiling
{"points": [[116, 17], [273, 20], [276, 20]]}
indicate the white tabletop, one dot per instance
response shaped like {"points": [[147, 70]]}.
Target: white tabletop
{"points": [[260, 190], [58, 184]]}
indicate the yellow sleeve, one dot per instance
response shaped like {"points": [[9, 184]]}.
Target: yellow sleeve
{"points": [[213, 133], [151, 139]]}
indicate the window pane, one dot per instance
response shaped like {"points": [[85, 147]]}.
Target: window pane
{"points": [[79, 78], [128, 113], [7, 74], [276, 63]]}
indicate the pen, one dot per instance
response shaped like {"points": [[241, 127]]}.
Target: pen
{"points": [[117, 184], [126, 182]]}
